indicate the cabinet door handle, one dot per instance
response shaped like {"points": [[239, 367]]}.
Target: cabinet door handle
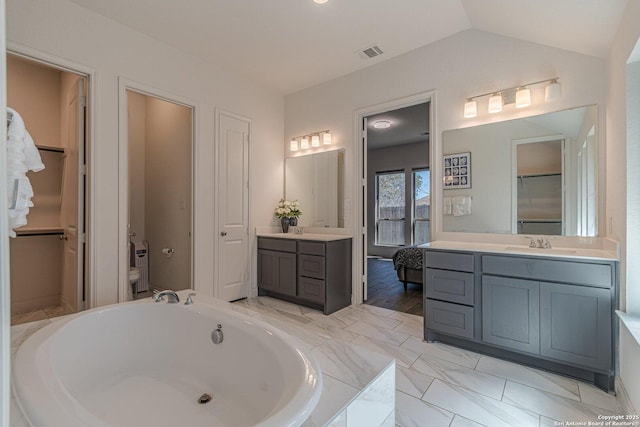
{"points": [[223, 233]]}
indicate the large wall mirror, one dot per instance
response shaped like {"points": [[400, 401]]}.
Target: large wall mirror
{"points": [[534, 175], [317, 182]]}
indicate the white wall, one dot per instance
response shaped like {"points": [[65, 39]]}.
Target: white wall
{"points": [[463, 65], [59, 28], [625, 227]]}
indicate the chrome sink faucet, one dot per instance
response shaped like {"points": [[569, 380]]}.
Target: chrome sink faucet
{"points": [[172, 297]]}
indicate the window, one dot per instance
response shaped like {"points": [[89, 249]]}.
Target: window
{"points": [[390, 208], [421, 205]]}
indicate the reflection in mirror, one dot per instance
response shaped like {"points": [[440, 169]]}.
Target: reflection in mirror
{"points": [[534, 175], [317, 182]]}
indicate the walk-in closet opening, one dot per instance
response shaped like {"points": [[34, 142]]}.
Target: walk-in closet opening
{"points": [[159, 140], [48, 253]]}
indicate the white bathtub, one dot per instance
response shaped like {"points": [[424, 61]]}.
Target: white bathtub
{"points": [[146, 364]]}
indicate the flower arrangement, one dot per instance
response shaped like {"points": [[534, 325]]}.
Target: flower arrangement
{"points": [[287, 209]]}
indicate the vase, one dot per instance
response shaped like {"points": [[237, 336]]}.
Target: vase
{"points": [[285, 224], [293, 222]]}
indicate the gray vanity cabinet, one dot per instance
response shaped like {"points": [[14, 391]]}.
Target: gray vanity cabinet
{"points": [[312, 273], [511, 313], [277, 267], [551, 312], [575, 324]]}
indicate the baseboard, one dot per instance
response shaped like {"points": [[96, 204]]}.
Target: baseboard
{"points": [[627, 406]]}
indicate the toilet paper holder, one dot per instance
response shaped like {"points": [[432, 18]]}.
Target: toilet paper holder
{"points": [[168, 251]]}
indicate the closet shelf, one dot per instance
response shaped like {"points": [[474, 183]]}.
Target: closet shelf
{"points": [[540, 220], [50, 148], [539, 175], [31, 231]]}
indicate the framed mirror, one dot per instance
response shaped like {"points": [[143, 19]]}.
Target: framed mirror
{"points": [[317, 182], [533, 175]]}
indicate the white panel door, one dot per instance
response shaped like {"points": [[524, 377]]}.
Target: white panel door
{"points": [[72, 216], [233, 207]]}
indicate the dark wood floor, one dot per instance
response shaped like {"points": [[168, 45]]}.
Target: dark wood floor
{"points": [[385, 290]]}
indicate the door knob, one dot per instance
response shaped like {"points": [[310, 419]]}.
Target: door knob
{"points": [[223, 233], [63, 237]]}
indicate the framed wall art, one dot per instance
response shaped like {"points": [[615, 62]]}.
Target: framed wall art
{"points": [[456, 171]]}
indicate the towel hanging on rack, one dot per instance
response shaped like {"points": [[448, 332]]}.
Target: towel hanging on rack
{"points": [[22, 156]]}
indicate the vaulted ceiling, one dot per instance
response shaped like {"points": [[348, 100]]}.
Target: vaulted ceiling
{"points": [[289, 45]]}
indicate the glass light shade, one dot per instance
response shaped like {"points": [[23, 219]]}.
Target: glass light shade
{"points": [[304, 143], [326, 138], [495, 103], [315, 140], [552, 91], [293, 145], [470, 109], [523, 98], [382, 124]]}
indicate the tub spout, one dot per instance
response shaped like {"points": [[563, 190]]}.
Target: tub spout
{"points": [[171, 295]]}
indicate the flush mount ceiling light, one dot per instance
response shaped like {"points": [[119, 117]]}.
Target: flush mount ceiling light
{"points": [[518, 95], [320, 1], [382, 124]]}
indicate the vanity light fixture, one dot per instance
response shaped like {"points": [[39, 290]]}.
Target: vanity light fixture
{"points": [[311, 140], [520, 95], [523, 97], [470, 109], [382, 124], [495, 103], [552, 91]]}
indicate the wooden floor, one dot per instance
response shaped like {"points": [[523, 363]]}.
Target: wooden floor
{"points": [[385, 290]]}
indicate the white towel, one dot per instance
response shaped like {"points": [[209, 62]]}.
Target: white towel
{"points": [[461, 205], [447, 206], [22, 156]]}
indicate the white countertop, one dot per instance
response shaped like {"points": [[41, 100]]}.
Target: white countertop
{"points": [[305, 236], [523, 250]]}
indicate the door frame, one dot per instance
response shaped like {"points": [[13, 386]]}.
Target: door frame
{"points": [[360, 182], [91, 244], [514, 175], [216, 198], [125, 84]]}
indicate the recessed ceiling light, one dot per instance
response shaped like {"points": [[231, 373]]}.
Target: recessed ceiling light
{"points": [[382, 124], [320, 1]]}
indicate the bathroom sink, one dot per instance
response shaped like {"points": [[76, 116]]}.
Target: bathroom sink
{"points": [[540, 251]]}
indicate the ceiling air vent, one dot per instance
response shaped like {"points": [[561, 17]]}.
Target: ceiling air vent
{"points": [[371, 52]]}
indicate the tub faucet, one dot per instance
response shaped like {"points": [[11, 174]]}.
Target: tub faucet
{"points": [[171, 295]]}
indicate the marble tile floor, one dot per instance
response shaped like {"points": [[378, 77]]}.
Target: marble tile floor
{"points": [[440, 385], [42, 314], [436, 385]]}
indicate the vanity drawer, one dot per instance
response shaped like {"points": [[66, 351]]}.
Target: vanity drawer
{"points": [[311, 248], [283, 245], [450, 286], [598, 275], [449, 318], [311, 266], [311, 289], [449, 260]]}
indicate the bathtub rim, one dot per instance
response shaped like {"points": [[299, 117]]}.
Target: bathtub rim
{"points": [[28, 380]]}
